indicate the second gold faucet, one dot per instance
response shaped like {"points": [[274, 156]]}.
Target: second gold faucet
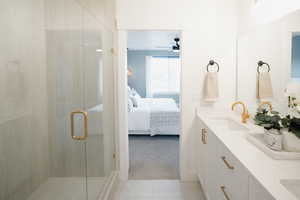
{"points": [[245, 114], [261, 105]]}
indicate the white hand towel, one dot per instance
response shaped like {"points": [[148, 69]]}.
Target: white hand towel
{"points": [[264, 86], [211, 87]]}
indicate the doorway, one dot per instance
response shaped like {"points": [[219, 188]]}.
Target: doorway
{"points": [[153, 100]]}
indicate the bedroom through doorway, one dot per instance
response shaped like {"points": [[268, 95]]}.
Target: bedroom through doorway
{"points": [[154, 110]]}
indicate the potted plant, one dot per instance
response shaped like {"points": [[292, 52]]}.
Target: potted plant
{"points": [[291, 133], [271, 122]]}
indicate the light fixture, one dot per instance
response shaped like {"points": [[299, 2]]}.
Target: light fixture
{"points": [[266, 11], [176, 47], [129, 72]]}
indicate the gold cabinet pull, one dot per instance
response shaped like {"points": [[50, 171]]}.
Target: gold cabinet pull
{"points": [[203, 136], [85, 125], [223, 188], [227, 163]]}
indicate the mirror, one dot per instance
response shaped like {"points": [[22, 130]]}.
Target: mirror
{"points": [[277, 45], [295, 65]]}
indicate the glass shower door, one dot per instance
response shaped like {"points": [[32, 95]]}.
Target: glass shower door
{"points": [[67, 118], [70, 123], [80, 98]]}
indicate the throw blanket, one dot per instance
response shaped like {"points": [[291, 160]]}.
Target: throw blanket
{"points": [[165, 122]]}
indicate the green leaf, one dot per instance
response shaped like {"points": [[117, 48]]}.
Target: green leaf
{"points": [[274, 112]]}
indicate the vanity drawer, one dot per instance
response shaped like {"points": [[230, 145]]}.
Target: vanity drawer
{"points": [[233, 176]]}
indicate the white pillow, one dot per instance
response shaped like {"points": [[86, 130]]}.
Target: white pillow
{"points": [[129, 91], [134, 101], [136, 94], [130, 105]]}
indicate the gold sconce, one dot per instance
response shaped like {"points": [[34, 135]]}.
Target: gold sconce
{"points": [[129, 72]]}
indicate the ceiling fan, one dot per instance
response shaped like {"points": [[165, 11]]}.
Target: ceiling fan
{"points": [[174, 46]]}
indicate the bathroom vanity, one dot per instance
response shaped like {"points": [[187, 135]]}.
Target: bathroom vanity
{"points": [[230, 167]]}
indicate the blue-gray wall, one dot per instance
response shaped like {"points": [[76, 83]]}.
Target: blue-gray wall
{"points": [[296, 57], [137, 62]]}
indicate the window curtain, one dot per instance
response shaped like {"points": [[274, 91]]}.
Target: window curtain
{"points": [[162, 75]]}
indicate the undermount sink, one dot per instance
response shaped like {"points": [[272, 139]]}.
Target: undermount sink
{"points": [[293, 186], [229, 123]]}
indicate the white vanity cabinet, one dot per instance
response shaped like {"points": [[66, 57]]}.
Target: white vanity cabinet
{"points": [[233, 181], [221, 174], [211, 167], [201, 146], [207, 162], [257, 191]]}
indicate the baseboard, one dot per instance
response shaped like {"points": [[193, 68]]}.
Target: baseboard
{"points": [[110, 186]]}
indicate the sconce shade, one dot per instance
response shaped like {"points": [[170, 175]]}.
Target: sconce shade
{"points": [[129, 72]]}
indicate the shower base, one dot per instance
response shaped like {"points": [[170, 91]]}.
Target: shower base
{"points": [[70, 188]]}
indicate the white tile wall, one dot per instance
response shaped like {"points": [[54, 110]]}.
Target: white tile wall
{"points": [[24, 138], [23, 98]]}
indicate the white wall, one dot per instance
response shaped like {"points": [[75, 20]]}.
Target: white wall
{"points": [[269, 42], [208, 32]]}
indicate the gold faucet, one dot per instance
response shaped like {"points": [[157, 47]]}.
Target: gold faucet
{"points": [[245, 114], [266, 103]]}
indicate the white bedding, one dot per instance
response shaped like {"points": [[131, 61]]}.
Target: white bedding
{"points": [[139, 118], [164, 105]]}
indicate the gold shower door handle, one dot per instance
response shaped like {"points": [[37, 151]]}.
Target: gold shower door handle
{"points": [[85, 125]]}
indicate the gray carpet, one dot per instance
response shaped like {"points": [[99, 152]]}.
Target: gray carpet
{"points": [[154, 157]]}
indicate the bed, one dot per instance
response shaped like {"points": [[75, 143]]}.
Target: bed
{"points": [[154, 116]]}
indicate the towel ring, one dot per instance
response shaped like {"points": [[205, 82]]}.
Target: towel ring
{"points": [[260, 64], [211, 63]]}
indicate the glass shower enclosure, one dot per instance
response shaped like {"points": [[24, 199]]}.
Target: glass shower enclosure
{"points": [[56, 101]]}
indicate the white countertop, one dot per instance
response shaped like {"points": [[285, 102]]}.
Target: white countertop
{"points": [[267, 171]]}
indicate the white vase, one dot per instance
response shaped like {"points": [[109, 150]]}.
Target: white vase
{"points": [[290, 142], [273, 139]]}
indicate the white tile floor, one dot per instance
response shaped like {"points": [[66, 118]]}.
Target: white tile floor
{"points": [[68, 188], [159, 190]]}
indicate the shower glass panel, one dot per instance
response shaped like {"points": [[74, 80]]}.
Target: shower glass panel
{"points": [[56, 101], [97, 71], [64, 47]]}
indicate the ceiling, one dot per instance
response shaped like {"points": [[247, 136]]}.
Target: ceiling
{"points": [[151, 40]]}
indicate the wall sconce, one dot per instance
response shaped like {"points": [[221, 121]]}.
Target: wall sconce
{"points": [[129, 72]]}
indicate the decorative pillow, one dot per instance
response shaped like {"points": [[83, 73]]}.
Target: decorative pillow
{"points": [[135, 94], [130, 105], [129, 91], [134, 101]]}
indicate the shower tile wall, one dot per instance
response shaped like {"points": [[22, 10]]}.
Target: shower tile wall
{"points": [[23, 100], [32, 31]]}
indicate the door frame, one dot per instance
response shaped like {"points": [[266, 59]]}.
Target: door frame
{"points": [[122, 106]]}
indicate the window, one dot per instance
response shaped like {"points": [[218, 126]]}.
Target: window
{"points": [[296, 57], [163, 75]]}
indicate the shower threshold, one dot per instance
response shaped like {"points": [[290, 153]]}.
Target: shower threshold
{"points": [[69, 188]]}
